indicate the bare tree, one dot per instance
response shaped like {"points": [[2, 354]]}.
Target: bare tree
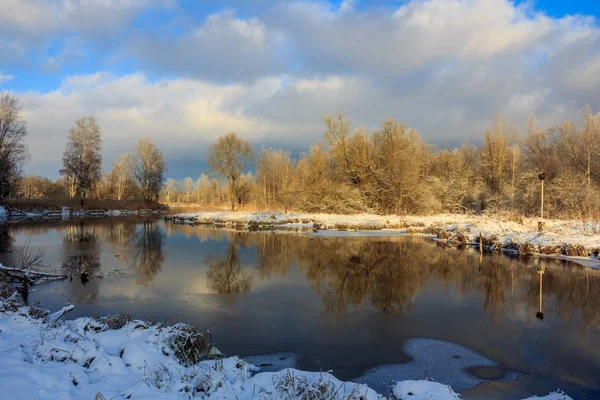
{"points": [[147, 169], [13, 151], [590, 138], [119, 176], [188, 185], [228, 155], [274, 176], [169, 188], [82, 160], [494, 155], [514, 150]]}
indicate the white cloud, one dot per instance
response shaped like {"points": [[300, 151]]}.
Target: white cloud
{"points": [[444, 67], [413, 35], [223, 47], [30, 25], [38, 17], [5, 78], [182, 115]]}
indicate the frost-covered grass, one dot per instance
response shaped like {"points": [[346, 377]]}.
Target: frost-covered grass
{"points": [[45, 357], [570, 238]]}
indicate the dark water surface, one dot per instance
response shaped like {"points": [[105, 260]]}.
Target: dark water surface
{"points": [[342, 304]]}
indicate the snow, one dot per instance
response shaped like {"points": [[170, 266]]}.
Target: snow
{"points": [[423, 390], [66, 213], [84, 359], [503, 229], [440, 360]]}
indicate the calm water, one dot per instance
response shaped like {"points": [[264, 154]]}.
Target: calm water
{"points": [[342, 304]]}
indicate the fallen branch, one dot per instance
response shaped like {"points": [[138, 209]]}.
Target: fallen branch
{"points": [[32, 276]]}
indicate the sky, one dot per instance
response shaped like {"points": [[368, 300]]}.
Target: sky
{"points": [[185, 72]]}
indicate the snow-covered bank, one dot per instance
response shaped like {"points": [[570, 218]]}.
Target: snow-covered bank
{"points": [[68, 213], [569, 238], [45, 357]]}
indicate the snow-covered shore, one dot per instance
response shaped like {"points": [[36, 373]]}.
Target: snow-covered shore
{"points": [[68, 213], [45, 357], [568, 238]]}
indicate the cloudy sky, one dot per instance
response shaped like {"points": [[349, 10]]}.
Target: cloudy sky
{"points": [[188, 71]]}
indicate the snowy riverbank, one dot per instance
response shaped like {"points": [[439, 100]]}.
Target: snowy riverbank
{"points": [[16, 214], [565, 238], [44, 357]]}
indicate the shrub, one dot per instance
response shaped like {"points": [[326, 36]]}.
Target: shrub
{"points": [[189, 345]]}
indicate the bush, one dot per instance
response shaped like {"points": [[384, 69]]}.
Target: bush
{"points": [[189, 345]]}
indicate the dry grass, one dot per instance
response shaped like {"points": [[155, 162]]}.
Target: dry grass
{"points": [[551, 250], [576, 250], [526, 248], [290, 386]]}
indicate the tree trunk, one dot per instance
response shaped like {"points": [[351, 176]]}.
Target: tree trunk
{"points": [[232, 194]]}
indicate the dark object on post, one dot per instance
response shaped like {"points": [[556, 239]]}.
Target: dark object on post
{"points": [[542, 176], [539, 315]]}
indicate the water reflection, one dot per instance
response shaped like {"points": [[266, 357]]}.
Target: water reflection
{"points": [[80, 233], [146, 252], [390, 273], [225, 275], [82, 267]]}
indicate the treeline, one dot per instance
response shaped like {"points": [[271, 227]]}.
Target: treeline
{"points": [[394, 171], [134, 175], [391, 170]]}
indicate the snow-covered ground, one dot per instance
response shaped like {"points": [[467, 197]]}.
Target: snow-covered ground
{"points": [[45, 357], [67, 213], [560, 237]]}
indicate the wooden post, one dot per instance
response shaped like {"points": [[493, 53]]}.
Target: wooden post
{"points": [[541, 224], [480, 243], [542, 205]]}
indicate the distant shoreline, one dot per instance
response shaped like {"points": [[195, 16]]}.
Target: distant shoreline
{"points": [[565, 239]]}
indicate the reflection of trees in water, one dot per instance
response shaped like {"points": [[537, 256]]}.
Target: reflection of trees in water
{"points": [[120, 232], [83, 270], [82, 266], [226, 275], [6, 241], [80, 233], [353, 272], [389, 273], [146, 255]]}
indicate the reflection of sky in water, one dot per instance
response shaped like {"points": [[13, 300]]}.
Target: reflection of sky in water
{"points": [[346, 304], [442, 361]]}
